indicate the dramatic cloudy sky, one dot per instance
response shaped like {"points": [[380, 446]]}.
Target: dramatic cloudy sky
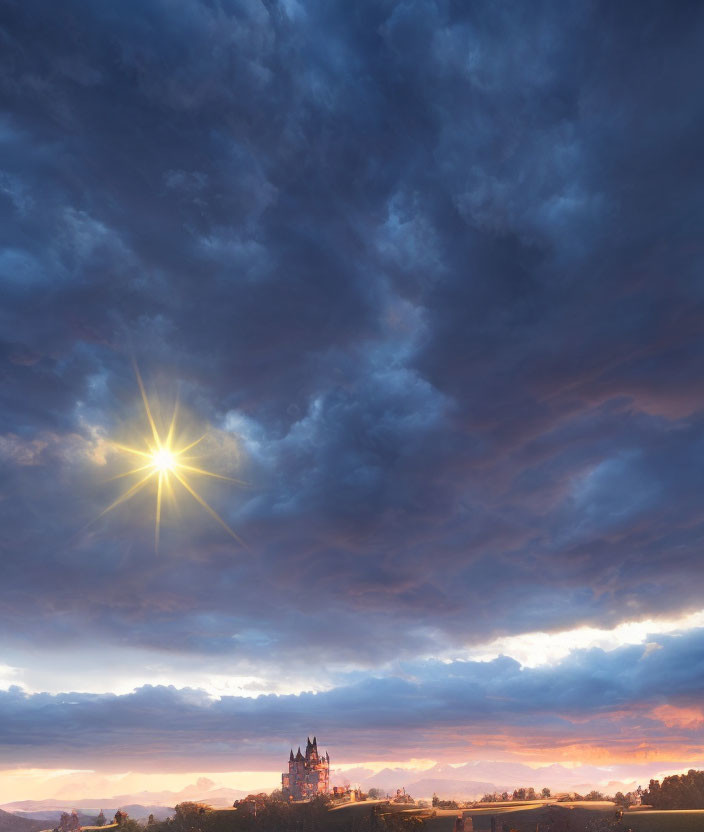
{"points": [[430, 275]]}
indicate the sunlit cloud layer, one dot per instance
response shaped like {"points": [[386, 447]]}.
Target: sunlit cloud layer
{"points": [[54, 672], [630, 704], [534, 649]]}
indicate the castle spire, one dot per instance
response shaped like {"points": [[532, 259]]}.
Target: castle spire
{"points": [[307, 776]]}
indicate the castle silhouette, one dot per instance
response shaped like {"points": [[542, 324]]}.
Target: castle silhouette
{"points": [[307, 776]]}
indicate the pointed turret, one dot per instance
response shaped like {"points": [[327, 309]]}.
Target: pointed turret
{"points": [[308, 775]]}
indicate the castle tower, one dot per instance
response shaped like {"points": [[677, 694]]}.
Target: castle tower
{"points": [[307, 775], [312, 751]]}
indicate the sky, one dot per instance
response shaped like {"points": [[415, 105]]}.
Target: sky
{"points": [[427, 276]]}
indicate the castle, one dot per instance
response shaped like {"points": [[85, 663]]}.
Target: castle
{"points": [[307, 776]]}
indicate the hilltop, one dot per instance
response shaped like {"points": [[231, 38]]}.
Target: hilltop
{"points": [[44, 813], [13, 823]]}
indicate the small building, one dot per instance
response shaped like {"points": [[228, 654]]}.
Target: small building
{"points": [[402, 797], [346, 793]]}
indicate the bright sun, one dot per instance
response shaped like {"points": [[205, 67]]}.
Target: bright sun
{"points": [[166, 462], [163, 460]]}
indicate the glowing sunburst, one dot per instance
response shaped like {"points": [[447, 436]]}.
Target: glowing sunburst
{"points": [[166, 463]]}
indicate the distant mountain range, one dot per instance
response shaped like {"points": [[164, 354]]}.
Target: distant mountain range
{"points": [[46, 813], [447, 789], [464, 782], [472, 780], [50, 817], [138, 806], [13, 823]]}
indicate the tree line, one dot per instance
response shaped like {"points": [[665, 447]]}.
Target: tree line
{"points": [[517, 794], [679, 791], [271, 815]]}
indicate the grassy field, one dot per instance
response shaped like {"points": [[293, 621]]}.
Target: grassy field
{"points": [[527, 817], [522, 816], [682, 820]]}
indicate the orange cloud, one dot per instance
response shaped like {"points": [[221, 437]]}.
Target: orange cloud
{"points": [[674, 717], [544, 747]]}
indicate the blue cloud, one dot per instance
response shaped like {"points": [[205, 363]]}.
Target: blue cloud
{"points": [[611, 695], [437, 264]]}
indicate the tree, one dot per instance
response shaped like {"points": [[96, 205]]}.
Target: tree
{"points": [[376, 794], [120, 817], [684, 791], [100, 820], [189, 816], [69, 823], [594, 795], [545, 792]]}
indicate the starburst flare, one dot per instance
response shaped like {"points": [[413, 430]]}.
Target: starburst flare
{"points": [[164, 461]]}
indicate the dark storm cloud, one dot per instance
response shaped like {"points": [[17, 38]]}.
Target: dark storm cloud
{"points": [[621, 695], [435, 266]]}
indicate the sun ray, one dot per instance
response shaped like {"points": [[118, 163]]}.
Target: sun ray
{"points": [[158, 511], [210, 510], [146, 406], [164, 458], [195, 470], [170, 434], [128, 494], [133, 471], [129, 450], [192, 445]]}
